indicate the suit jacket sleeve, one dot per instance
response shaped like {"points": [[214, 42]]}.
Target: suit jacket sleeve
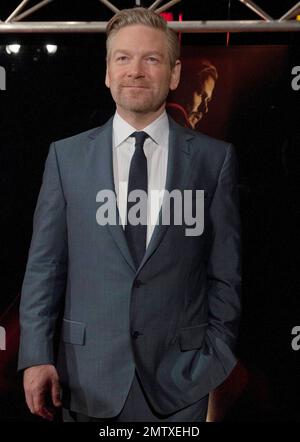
{"points": [[224, 267], [46, 270]]}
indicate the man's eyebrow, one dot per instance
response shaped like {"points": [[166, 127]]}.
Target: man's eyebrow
{"points": [[127, 52], [123, 51], [155, 52]]}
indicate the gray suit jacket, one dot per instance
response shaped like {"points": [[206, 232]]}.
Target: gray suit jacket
{"points": [[174, 319]]}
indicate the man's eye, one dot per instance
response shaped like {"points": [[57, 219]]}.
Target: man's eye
{"points": [[152, 59], [122, 58]]}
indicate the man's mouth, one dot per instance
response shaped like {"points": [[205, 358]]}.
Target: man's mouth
{"points": [[133, 86], [196, 115]]}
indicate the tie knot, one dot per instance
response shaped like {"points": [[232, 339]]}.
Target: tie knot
{"points": [[140, 138]]}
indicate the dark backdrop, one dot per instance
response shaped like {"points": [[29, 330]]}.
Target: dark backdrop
{"points": [[51, 97]]}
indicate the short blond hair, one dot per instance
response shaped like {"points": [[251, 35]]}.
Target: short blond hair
{"points": [[146, 17]]}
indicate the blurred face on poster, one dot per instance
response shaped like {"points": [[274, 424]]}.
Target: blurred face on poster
{"points": [[190, 103], [201, 99]]}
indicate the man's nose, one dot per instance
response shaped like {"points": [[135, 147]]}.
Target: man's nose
{"points": [[203, 107], [136, 69]]}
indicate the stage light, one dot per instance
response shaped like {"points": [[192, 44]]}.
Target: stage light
{"points": [[51, 49], [168, 16], [13, 48]]}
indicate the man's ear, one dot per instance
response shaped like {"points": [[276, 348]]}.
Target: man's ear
{"points": [[107, 80], [175, 75]]}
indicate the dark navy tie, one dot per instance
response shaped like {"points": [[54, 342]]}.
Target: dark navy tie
{"points": [[138, 180]]}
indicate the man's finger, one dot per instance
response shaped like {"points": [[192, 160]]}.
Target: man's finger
{"points": [[55, 393], [47, 414], [29, 400], [39, 403]]}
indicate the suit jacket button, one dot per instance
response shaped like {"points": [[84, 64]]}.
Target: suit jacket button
{"points": [[135, 334], [137, 283]]}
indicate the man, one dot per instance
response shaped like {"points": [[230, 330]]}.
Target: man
{"points": [[149, 315], [197, 93]]}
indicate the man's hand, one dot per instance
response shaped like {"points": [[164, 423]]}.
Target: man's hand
{"points": [[42, 390]]}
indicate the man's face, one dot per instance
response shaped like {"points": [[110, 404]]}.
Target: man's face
{"points": [[200, 102], [138, 70]]}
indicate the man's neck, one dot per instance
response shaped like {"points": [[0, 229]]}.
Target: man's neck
{"points": [[138, 120]]}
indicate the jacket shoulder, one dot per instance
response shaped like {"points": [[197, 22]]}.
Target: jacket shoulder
{"points": [[202, 142], [210, 145], [79, 138], [76, 145]]}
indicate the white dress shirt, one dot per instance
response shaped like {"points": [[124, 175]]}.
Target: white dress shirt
{"points": [[156, 151]]}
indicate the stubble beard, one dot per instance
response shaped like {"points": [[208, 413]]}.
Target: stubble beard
{"points": [[138, 104]]}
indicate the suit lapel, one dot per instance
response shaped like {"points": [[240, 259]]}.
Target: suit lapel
{"points": [[102, 148], [178, 169]]}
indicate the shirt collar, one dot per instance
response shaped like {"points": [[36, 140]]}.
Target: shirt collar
{"points": [[158, 130]]}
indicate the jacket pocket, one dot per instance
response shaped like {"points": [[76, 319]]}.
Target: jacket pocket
{"points": [[191, 338], [73, 332]]}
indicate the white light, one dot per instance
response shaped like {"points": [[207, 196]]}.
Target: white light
{"points": [[13, 49], [51, 49]]}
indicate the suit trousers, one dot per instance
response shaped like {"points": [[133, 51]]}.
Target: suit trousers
{"points": [[137, 408]]}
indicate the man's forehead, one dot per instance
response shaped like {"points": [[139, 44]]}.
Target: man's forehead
{"points": [[209, 83], [132, 39], [145, 51], [129, 33]]}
